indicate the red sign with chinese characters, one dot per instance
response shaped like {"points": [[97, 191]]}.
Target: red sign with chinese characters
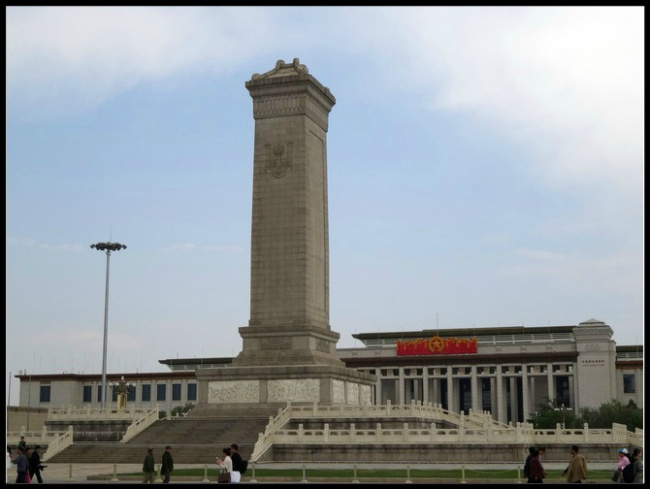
{"points": [[437, 346]]}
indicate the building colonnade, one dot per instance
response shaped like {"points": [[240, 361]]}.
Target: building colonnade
{"points": [[508, 392]]}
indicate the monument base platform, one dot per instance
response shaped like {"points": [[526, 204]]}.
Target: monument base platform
{"points": [[277, 385]]}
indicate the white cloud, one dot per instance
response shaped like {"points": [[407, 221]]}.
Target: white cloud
{"points": [[66, 59], [32, 243], [567, 80]]}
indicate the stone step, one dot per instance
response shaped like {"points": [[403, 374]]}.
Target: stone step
{"points": [[196, 441]]}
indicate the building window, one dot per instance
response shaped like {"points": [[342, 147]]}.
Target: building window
{"points": [[146, 392], [161, 390], [176, 392], [191, 392], [88, 393], [99, 393], [629, 386], [130, 395], [45, 393]]}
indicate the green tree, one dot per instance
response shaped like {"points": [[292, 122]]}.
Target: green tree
{"points": [[549, 414], [182, 410], [613, 412]]}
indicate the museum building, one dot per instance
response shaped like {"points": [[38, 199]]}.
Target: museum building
{"points": [[508, 371]]}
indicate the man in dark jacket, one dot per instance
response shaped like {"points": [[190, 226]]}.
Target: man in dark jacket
{"points": [[148, 467], [35, 465], [22, 466], [167, 464], [237, 461]]}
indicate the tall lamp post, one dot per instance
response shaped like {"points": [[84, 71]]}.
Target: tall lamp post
{"points": [[107, 247]]}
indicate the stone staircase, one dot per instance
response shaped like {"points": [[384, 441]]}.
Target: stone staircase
{"points": [[193, 441]]}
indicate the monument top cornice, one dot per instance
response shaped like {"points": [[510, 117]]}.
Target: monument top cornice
{"points": [[288, 72]]}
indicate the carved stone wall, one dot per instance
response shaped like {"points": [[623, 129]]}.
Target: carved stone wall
{"points": [[294, 390], [227, 391]]}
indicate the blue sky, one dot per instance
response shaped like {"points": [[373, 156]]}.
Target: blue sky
{"points": [[485, 169]]}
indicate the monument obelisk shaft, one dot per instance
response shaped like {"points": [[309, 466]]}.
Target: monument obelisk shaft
{"points": [[289, 349], [289, 304]]}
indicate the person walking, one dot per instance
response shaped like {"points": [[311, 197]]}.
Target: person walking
{"points": [[637, 456], [237, 461], [537, 472], [148, 467], [35, 464], [576, 471], [225, 474], [22, 466], [623, 461], [527, 462], [167, 464], [22, 444], [542, 455]]}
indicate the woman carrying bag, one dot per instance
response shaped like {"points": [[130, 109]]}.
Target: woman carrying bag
{"points": [[226, 466]]}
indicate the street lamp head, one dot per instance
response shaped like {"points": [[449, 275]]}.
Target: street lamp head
{"points": [[108, 246]]}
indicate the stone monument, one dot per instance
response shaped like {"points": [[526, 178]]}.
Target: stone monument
{"points": [[289, 348]]}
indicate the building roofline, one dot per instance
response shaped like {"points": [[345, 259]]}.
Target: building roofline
{"points": [[466, 332]]}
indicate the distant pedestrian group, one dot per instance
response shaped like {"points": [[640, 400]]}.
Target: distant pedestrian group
{"points": [[629, 467], [27, 462]]}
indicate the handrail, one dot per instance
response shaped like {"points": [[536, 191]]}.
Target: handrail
{"points": [[67, 413], [139, 425], [477, 427], [59, 444]]}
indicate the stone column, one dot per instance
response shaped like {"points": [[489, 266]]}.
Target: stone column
{"points": [[550, 382], [425, 385], [475, 391], [451, 404], [501, 401], [514, 415], [525, 397]]}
